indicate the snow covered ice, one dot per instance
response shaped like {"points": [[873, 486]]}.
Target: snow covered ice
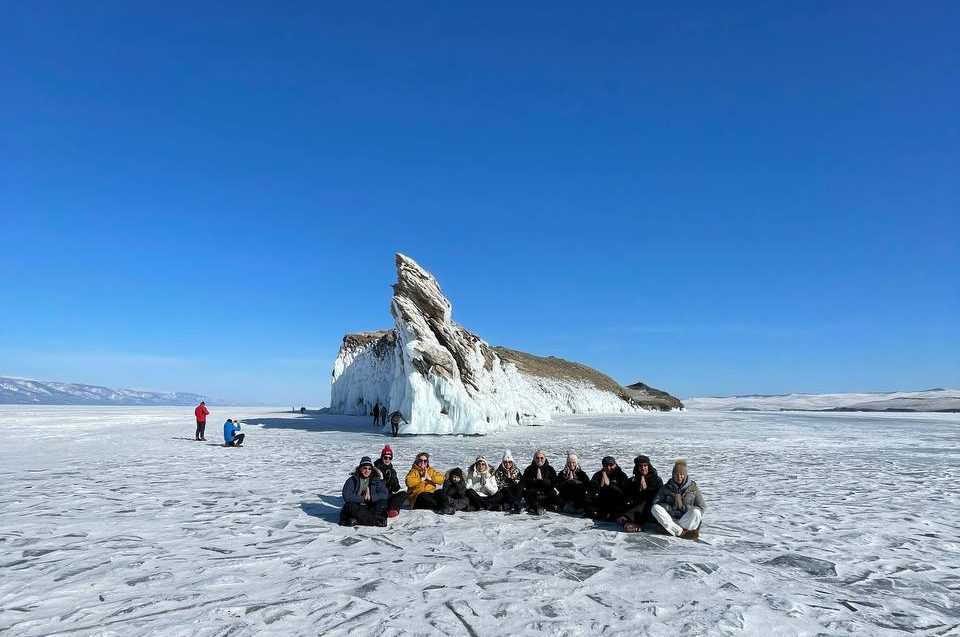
{"points": [[113, 521]]}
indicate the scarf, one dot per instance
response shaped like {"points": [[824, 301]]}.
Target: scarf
{"points": [[568, 473], [363, 486]]}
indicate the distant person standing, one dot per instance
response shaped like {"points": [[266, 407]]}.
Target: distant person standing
{"points": [[376, 414], [395, 419], [201, 412], [230, 436]]}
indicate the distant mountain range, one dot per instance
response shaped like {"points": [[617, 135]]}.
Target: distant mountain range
{"points": [[930, 400], [20, 391]]}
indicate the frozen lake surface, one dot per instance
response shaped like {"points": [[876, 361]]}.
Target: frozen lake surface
{"points": [[113, 521]]}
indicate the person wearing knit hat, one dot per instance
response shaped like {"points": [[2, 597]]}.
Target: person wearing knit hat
{"points": [[384, 465], [572, 484], [364, 497], [641, 490], [508, 478], [606, 499], [679, 504], [538, 485], [482, 485]]}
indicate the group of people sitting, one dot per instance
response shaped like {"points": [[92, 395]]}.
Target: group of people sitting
{"points": [[372, 493]]}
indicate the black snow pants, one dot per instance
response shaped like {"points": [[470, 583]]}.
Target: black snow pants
{"points": [[545, 497], [574, 493], [201, 427], [364, 514], [433, 501]]}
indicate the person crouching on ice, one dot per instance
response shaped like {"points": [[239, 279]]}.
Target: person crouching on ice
{"points": [[364, 497], [230, 436], [572, 483], [384, 465], [482, 486], [607, 491], [538, 485], [456, 495], [422, 483], [641, 491], [679, 505], [508, 483]]}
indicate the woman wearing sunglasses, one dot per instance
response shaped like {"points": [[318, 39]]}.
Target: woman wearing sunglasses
{"points": [[423, 482]]}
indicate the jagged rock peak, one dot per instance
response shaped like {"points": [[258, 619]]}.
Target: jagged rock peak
{"points": [[447, 380], [421, 288]]}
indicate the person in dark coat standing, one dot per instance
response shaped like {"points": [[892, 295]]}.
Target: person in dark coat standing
{"points": [[201, 412], [384, 465], [572, 484], [607, 491], [364, 497], [395, 419], [641, 490], [538, 485], [376, 414]]}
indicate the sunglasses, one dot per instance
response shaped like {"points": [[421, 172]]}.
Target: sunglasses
{"points": [[388, 457]]}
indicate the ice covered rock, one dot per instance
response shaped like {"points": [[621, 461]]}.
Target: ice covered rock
{"points": [[446, 380]]}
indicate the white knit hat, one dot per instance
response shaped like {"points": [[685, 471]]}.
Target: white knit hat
{"points": [[479, 458], [507, 456]]}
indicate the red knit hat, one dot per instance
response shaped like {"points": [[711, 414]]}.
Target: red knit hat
{"points": [[386, 449]]}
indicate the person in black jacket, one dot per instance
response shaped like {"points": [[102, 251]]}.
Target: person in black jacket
{"points": [[384, 465], [508, 478], [456, 495], [538, 485], [607, 497], [641, 490], [572, 484], [364, 497]]}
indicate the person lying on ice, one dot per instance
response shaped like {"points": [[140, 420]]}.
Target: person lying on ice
{"points": [[641, 491], [483, 484], [607, 499], [230, 436], [572, 484], [384, 465], [422, 483], [537, 485], [364, 497], [679, 504], [508, 478], [456, 494]]}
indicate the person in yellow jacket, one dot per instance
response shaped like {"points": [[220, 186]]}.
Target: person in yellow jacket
{"points": [[423, 482]]}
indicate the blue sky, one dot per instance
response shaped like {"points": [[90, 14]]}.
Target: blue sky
{"points": [[713, 200]]}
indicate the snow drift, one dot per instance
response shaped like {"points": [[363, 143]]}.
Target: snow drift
{"points": [[446, 380]]}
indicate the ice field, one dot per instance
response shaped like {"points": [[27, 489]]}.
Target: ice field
{"points": [[113, 521]]}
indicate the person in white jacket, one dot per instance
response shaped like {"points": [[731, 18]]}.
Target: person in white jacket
{"points": [[483, 485]]}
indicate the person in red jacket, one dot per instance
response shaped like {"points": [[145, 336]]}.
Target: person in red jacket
{"points": [[201, 412]]}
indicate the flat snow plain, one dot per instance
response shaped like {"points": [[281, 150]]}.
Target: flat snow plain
{"points": [[113, 521]]}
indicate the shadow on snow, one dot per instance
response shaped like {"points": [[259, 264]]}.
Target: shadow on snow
{"points": [[319, 423], [327, 509]]}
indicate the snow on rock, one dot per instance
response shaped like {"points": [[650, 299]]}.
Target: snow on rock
{"points": [[446, 380]]}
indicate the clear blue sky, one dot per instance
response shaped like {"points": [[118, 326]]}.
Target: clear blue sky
{"points": [[714, 200]]}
